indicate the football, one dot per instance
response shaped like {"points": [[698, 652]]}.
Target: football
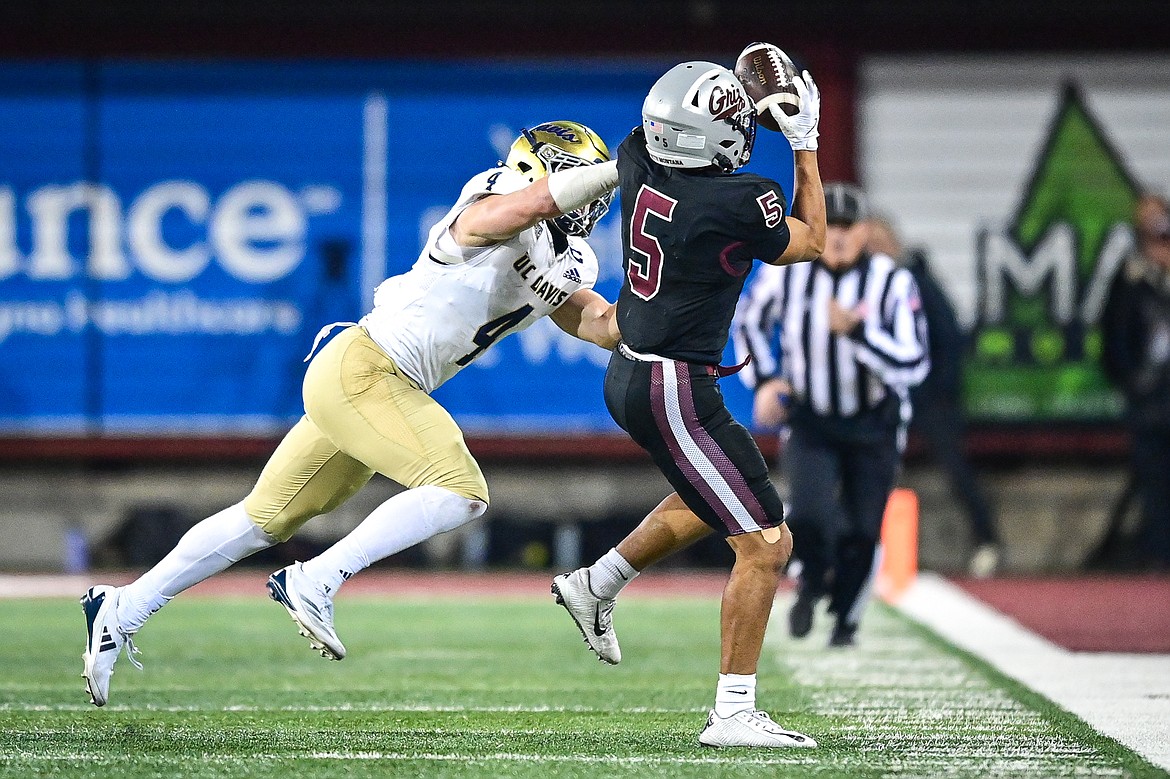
{"points": [[766, 73]]}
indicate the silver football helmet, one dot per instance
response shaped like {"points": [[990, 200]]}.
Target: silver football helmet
{"points": [[698, 114]]}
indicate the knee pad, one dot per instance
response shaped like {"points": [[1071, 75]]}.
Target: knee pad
{"points": [[447, 510]]}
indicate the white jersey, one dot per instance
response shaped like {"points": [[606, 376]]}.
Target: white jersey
{"points": [[455, 302]]}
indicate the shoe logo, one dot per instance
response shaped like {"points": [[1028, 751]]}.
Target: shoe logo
{"points": [[107, 641], [739, 692], [597, 629]]}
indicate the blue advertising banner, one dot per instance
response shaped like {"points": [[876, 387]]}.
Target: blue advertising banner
{"points": [[173, 235]]}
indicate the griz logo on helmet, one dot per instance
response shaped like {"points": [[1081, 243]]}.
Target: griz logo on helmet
{"points": [[726, 103], [564, 133]]}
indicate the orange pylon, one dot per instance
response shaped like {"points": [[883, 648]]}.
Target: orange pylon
{"points": [[899, 565]]}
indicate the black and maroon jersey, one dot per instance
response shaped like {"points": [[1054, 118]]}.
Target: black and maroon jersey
{"points": [[688, 240]]}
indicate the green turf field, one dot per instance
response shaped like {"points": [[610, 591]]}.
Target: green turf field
{"points": [[504, 687]]}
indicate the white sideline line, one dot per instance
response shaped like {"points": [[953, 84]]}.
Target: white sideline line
{"points": [[735, 760], [1124, 696], [520, 757], [359, 708]]}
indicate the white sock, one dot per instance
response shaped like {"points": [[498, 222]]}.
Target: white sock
{"points": [[735, 693], [610, 574], [401, 522], [206, 549]]}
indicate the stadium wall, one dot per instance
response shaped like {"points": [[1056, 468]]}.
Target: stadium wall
{"points": [[64, 517]]}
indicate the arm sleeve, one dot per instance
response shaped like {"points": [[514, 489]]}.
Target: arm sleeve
{"points": [[892, 339], [754, 329]]}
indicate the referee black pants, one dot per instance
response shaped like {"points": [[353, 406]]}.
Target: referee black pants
{"points": [[840, 475]]}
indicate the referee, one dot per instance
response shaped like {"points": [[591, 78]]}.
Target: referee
{"points": [[852, 343]]}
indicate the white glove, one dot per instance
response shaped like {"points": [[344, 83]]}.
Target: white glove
{"points": [[801, 129]]}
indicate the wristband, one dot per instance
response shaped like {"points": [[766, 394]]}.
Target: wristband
{"points": [[576, 187]]}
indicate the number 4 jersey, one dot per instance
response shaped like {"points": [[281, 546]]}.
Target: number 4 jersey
{"points": [[689, 238], [456, 301]]}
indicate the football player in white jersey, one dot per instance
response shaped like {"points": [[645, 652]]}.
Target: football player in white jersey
{"points": [[511, 250]]}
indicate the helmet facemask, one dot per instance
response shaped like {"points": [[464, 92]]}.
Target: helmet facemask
{"points": [[745, 124], [553, 146]]}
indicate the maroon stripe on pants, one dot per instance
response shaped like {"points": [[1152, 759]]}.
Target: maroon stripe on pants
{"points": [[658, 405], [710, 447]]}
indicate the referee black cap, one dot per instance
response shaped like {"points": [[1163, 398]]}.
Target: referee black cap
{"points": [[844, 204]]}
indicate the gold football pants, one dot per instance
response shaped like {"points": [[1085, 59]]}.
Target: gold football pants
{"points": [[362, 414]]}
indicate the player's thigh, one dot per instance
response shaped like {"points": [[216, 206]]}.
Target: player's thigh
{"points": [[374, 413], [626, 390], [306, 476], [677, 414]]}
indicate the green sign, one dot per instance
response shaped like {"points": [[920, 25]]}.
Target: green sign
{"points": [[1044, 280]]}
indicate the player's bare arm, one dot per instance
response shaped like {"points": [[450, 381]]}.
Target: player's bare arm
{"points": [[807, 224], [497, 218], [807, 227], [590, 317]]}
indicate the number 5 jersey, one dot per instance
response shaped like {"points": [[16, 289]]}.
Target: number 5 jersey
{"points": [[689, 239], [455, 301]]}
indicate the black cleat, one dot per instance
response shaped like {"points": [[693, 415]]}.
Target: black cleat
{"points": [[800, 616], [843, 635]]}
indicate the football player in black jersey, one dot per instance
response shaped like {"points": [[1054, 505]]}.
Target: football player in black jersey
{"points": [[691, 228]]}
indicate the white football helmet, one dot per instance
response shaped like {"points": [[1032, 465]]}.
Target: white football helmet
{"points": [[554, 146], [698, 114]]}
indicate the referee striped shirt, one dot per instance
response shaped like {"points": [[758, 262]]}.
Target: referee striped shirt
{"points": [[835, 375]]}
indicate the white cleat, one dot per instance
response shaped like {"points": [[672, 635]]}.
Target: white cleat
{"points": [[104, 640], [309, 606], [750, 728], [594, 616], [985, 561]]}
